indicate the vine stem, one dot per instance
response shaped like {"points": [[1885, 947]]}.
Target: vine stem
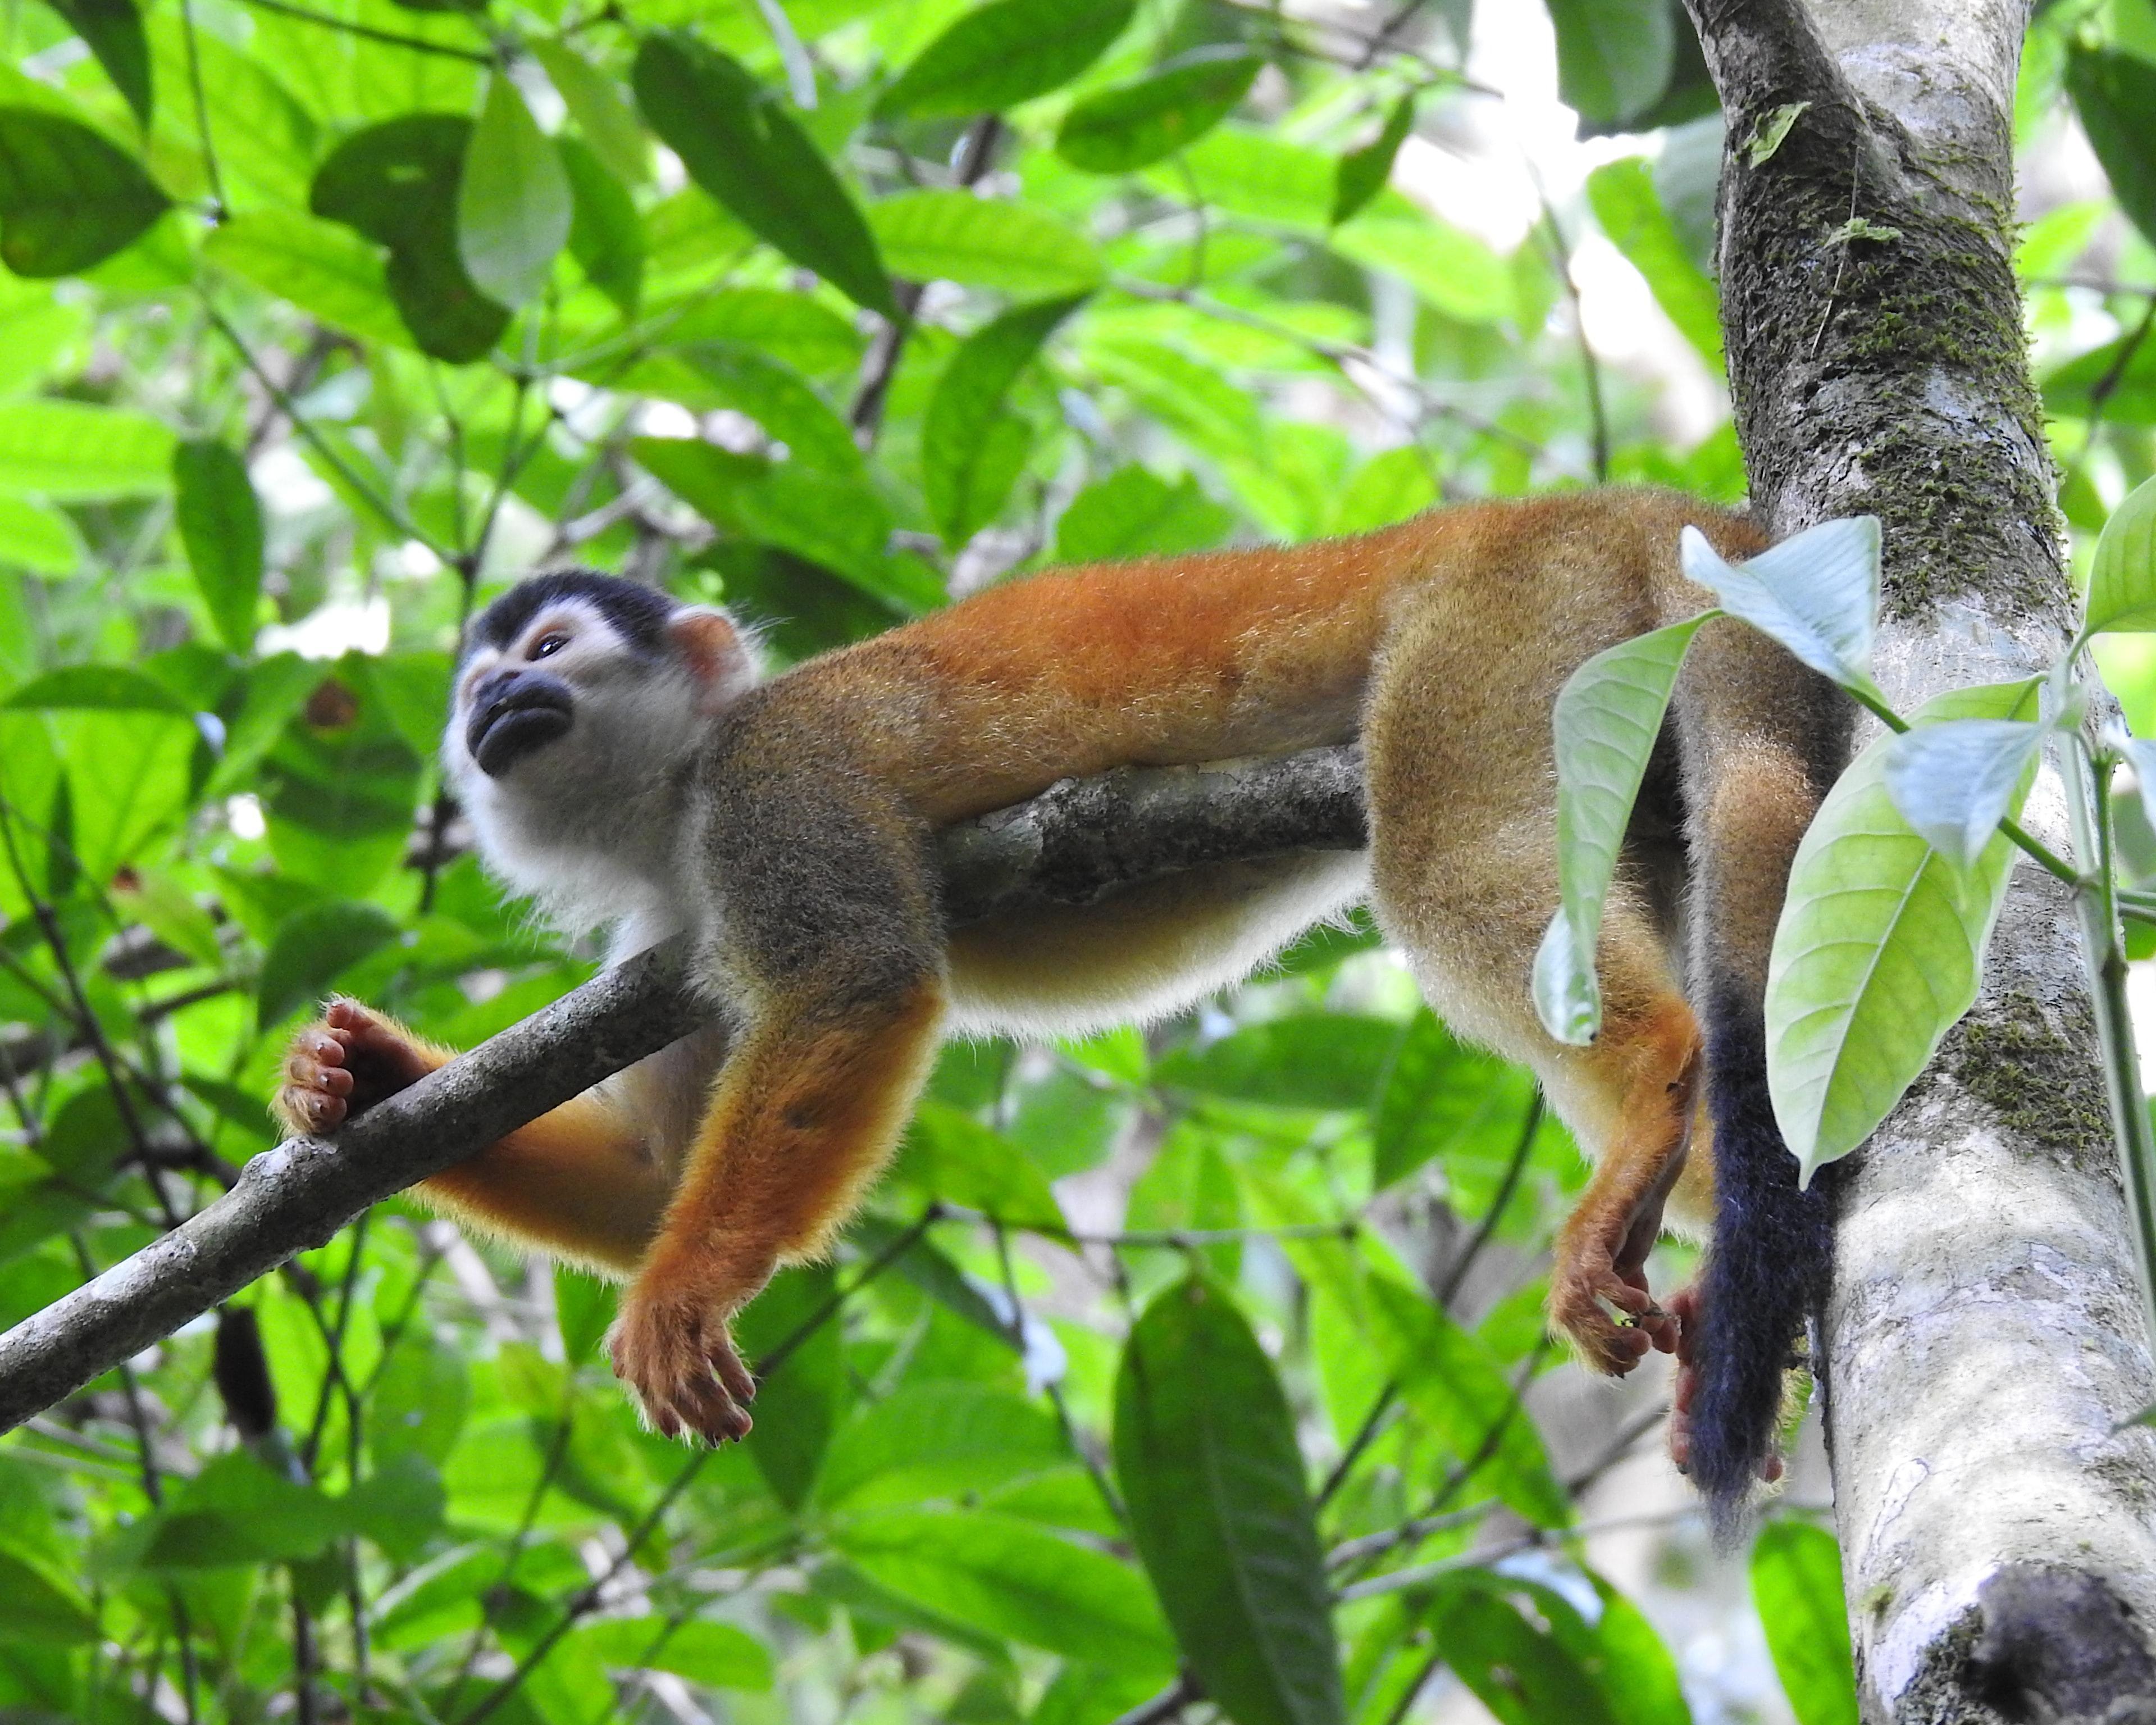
{"points": [[2088, 792]]}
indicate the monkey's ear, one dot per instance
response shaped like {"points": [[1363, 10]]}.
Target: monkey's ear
{"points": [[717, 653]]}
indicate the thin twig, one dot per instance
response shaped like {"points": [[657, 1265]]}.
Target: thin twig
{"points": [[389, 38]]}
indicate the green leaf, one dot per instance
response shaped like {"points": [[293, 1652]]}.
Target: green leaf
{"points": [[2116, 382], [1131, 513], [40, 1611], [1879, 951], [1313, 1060], [790, 328], [1389, 487], [1132, 125], [798, 1402], [1953, 781], [514, 205], [1631, 213], [236, 1511], [716, 1655], [739, 144], [963, 490], [1608, 719], [1446, 265], [1449, 1379], [1007, 52], [67, 451], [127, 774], [1440, 1097], [398, 183], [220, 523], [325, 269], [780, 400], [1613, 57], [2115, 93], [983, 242], [584, 1308], [1012, 1579], [1541, 1671], [1363, 173], [69, 198], [950, 1155], [312, 948], [606, 235], [2122, 591], [38, 538], [104, 688], [938, 1441], [1796, 1584], [1220, 1511], [595, 103], [1816, 593], [113, 30]]}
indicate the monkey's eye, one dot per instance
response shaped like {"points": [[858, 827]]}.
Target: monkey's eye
{"points": [[552, 642]]}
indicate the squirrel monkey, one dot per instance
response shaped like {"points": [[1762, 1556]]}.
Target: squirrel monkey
{"points": [[622, 762]]}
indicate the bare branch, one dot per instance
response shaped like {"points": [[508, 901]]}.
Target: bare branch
{"points": [[1077, 841]]}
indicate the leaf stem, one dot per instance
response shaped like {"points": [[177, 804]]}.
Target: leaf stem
{"points": [[2088, 791]]}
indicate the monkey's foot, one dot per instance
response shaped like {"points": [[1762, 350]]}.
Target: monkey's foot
{"points": [[1602, 1305], [341, 1066], [673, 1351], [1684, 1308]]}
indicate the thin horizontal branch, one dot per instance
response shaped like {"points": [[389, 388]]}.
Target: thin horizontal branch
{"points": [[1074, 842]]}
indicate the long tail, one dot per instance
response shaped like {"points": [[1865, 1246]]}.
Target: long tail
{"points": [[1763, 739]]}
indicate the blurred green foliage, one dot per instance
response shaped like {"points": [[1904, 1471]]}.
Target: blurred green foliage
{"points": [[322, 322]]}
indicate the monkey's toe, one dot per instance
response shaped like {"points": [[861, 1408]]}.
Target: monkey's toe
{"points": [[673, 1353]]}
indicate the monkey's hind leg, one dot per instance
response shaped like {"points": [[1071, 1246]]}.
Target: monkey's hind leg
{"points": [[808, 1109]]}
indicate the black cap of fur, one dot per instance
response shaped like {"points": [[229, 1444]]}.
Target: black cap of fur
{"points": [[1766, 1273], [639, 613]]}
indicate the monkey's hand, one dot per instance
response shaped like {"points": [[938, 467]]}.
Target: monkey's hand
{"points": [[1601, 1268], [672, 1346], [342, 1065]]}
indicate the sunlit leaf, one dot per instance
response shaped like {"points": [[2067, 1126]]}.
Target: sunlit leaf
{"points": [[69, 198], [1131, 513], [984, 242], [1134, 125], [1608, 719], [1796, 1584], [1439, 1097], [930, 1442], [963, 490], [1328, 1060], [70, 451], [739, 143], [220, 523], [1010, 1578], [38, 537], [1879, 951], [514, 205], [2122, 591], [953, 1156], [596, 104], [1630, 212], [717, 1655], [323, 268], [1007, 52]]}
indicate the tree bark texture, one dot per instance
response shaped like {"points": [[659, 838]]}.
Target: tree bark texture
{"points": [[1076, 842], [1984, 1337]]}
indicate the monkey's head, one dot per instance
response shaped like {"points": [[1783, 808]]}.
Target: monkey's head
{"points": [[578, 698]]}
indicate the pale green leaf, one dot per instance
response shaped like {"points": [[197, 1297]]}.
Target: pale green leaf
{"points": [[67, 451], [514, 205], [1879, 951], [1817, 593], [1796, 1585], [1020, 248], [2121, 593], [1608, 718]]}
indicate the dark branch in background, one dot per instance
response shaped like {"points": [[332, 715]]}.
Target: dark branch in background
{"points": [[1078, 841], [974, 156]]}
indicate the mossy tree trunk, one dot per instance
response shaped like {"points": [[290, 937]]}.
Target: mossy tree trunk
{"points": [[1985, 1335]]}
